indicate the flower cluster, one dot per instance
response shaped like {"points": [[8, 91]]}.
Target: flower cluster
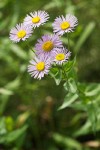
{"points": [[49, 49], [24, 30]]}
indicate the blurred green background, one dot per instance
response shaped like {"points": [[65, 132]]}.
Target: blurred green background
{"points": [[29, 119]]}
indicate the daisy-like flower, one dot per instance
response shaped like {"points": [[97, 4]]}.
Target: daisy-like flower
{"points": [[36, 18], [47, 44], [63, 25], [61, 55], [39, 67], [20, 32]]}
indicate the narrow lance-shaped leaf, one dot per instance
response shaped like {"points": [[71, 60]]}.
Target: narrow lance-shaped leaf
{"points": [[86, 33], [68, 100]]}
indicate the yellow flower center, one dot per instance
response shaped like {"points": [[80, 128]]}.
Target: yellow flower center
{"points": [[60, 56], [64, 25], [40, 66], [21, 33], [47, 46], [36, 19]]}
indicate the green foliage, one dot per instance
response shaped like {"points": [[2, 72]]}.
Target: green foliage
{"points": [[88, 30], [56, 73], [16, 136], [66, 142]]}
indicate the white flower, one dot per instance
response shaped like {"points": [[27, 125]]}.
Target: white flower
{"points": [[47, 44], [63, 25], [36, 18], [61, 55], [39, 67], [20, 32]]}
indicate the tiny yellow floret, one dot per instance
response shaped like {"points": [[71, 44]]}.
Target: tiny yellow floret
{"points": [[40, 66], [47, 46], [21, 34], [60, 56], [36, 19], [64, 25]]}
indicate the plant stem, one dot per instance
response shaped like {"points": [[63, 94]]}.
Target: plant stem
{"points": [[68, 42], [64, 71], [29, 47]]}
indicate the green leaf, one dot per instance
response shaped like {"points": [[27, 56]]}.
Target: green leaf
{"points": [[3, 129], [57, 75], [85, 129], [18, 51], [86, 33], [13, 85], [92, 89], [68, 100], [92, 114], [91, 125], [13, 136], [90, 101], [70, 85], [66, 141], [66, 86], [4, 91], [68, 66]]}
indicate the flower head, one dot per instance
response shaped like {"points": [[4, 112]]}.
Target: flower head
{"points": [[61, 55], [39, 67], [63, 25], [47, 44], [36, 18], [20, 32]]}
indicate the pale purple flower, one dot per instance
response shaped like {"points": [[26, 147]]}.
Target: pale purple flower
{"points": [[47, 44], [66, 24], [36, 18], [20, 32], [39, 67], [61, 55]]}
